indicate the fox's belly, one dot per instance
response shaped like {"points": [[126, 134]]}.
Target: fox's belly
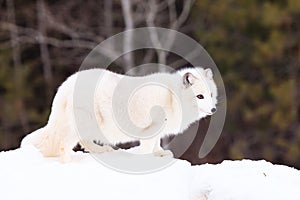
{"points": [[114, 135]]}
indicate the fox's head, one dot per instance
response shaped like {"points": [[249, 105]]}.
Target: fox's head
{"points": [[199, 83]]}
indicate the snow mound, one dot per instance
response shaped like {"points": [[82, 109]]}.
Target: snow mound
{"points": [[25, 174]]}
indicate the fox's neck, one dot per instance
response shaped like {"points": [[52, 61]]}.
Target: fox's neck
{"points": [[188, 109]]}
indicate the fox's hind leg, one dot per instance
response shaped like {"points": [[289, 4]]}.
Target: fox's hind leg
{"points": [[152, 145], [91, 147], [65, 154]]}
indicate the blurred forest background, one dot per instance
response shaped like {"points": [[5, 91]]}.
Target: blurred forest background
{"points": [[255, 44]]}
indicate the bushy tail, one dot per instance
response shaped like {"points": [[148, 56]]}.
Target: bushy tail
{"points": [[42, 141]]}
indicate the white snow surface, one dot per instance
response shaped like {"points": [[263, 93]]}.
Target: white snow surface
{"points": [[26, 175]]}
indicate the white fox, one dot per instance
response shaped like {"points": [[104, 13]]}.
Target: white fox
{"points": [[123, 109]]}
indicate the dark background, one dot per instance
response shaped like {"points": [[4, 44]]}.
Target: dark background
{"points": [[255, 45]]}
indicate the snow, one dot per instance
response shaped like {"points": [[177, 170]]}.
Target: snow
{"points": [[25, 174]]}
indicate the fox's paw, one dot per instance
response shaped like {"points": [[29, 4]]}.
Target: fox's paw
{"points": [[66, 158], [102, 149], [92, 147], [163, 153], [65, 155], [107, 148]]}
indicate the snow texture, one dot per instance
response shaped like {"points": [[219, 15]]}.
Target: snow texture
{"points": [[26, 175]]}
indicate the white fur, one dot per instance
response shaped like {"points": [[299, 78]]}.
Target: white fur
{"points": [[177, 100]]}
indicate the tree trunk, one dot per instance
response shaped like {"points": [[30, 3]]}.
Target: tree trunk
{"points": [[19, 102]]}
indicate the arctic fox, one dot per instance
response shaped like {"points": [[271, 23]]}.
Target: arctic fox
{"points": [[122, 109]]}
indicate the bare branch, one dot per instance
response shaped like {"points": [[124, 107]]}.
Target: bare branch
{"points": [[172, 10], [128, 37], [139, 13], [176, 24], [149, 55], [153, 34], [17, 64], [32, 36], [179, 63], [14, 32], [38, 37], [63, 28], [108, 19], [45, 57]]}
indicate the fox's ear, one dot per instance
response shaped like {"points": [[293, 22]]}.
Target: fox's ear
{"points": [[208, 73], [188, 79]]}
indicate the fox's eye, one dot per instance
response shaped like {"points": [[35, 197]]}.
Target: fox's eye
{"points": [[200, 96]]}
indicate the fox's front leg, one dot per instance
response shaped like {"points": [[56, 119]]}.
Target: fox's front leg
{"points": [[152, 145], [160, 152]]}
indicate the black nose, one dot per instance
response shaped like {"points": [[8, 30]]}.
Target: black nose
{"points": [[213, 110]]}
